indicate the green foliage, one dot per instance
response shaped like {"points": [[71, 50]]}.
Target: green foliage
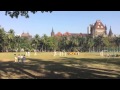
{"points": [[74, 49], [10, 42], [16, 14], [32, 49], [105, 42]]}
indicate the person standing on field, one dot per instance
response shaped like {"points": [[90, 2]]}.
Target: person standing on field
{"points": [[19, 57], [15, 58]]}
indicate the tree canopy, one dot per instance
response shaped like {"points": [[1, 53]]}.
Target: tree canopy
{"points": [[9, 41], [16, 14]]}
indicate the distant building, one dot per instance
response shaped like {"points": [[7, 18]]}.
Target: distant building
{"points": [[94, 30], [68, 34], [97, 29], [26, 35]]}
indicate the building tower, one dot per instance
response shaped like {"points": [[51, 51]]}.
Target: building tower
{"points": [[88, 30], [52, 33], [110, 32], [98, 29], [105, 30]]}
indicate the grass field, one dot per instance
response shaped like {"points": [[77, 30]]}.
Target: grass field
{"points": [[46, 66]]}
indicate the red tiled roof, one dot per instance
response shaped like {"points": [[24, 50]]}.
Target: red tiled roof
{"points": [[71, 34], [59, 34], [98, 25], [67, 33]]}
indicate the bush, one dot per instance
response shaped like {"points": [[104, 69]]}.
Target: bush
{"points": [[74, 49], [32, 50], [117, 55]]}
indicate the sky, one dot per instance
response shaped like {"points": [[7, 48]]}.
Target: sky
{"points": [[60, 21]]}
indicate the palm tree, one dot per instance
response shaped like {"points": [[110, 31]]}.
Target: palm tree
{"points": [[64, 44], [2, 39], [80, 43], [10, 38], [74, 43], [44, 42], [35, 41], [90, 43], [98, 43], [106, 42], [17, 41], [51, 44], [56, 42]]}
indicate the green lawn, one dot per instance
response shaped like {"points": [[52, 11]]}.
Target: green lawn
{"points": [[46, 66]]}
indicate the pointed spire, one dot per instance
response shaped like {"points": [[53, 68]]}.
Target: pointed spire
{"points": [[105, 27], [110, 32], [52, 33], [52, 29]]}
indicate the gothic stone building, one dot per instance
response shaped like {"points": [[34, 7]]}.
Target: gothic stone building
{"points": [[96, 29]]}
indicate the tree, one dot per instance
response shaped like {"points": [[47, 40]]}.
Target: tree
{"points": [[16, 14], [17, 41], [25, 43], [63, 45], [55, 43], [2, 39], [117, 41], [44, 43], [51, 44], [106, 42], [10, 36], [81, 41], [35, 41], [74, 43], [98, 43], [90, 42]]}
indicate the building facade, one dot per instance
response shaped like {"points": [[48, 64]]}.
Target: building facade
{"points": [[94, 30], [97, 29]]}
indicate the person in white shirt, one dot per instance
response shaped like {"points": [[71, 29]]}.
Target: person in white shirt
{"points": [[15, 58]]}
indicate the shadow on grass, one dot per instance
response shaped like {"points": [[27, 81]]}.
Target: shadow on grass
{"points": [[43, 69], [115, 61]]}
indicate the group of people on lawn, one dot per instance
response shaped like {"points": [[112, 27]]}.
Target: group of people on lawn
{"points": [[19, 58]]}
